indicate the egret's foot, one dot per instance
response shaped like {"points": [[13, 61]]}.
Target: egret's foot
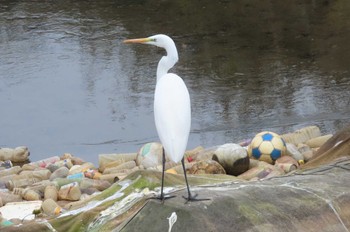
{"points": [[194, 198], [162, 198]]}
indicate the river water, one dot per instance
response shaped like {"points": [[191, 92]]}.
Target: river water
{"points": [[69, 84]]}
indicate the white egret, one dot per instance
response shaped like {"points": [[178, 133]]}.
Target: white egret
{"points": [[172, 107]]}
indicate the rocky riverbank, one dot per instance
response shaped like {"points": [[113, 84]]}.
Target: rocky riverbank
{"points": [[54, 192]]}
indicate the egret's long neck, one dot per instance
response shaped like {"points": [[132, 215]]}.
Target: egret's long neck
{"points": [[168, 61]]}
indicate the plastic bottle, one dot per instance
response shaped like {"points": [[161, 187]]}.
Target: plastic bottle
{"points": [[66, 162], [168, 165], [31, 195], [5, 164], [5, 179], [111, 164], [113, 177], [292, 151], [113, 160], [78, 204], [302, 135], [39, 186], [70, 192], [79, 175], [18, 154], [45, 162], [7, 197], [126, 165], [10, 171], [42, 174], [29, 167], [92, 174], [18, 191], [97, 184], [255, 173], [318, 141], [286, 167], [179, 169], [11, 184], [51, 192], [50, 207], [61, 163], [75, 160], [81, 168], [61, 172], [63, 181]]}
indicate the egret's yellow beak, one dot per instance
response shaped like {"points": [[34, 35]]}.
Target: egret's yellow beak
{"points": [[142, 40]]}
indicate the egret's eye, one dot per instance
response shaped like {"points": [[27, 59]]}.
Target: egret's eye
{"points": [[154, 40]]}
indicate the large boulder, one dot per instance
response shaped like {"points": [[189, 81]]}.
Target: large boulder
{"points": [[301, 202]]}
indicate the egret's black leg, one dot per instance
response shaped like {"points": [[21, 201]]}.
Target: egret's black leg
{"points": [[190, 197], [162, 197], [188, 187], [163, 171]]}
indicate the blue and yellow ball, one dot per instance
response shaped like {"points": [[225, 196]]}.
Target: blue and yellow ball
{"points": [[267, 146]]}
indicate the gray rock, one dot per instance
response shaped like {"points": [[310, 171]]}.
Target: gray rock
{"points": [[233, 158], [301, 202]]}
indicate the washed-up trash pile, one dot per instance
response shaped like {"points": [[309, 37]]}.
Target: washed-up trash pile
{"points": [[49, 187]]}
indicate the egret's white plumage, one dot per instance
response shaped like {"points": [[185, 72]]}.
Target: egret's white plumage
{"points": [[172, 114], [172, 106]]}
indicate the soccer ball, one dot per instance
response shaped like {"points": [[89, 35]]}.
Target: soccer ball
{"points": [[267, 146]]}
